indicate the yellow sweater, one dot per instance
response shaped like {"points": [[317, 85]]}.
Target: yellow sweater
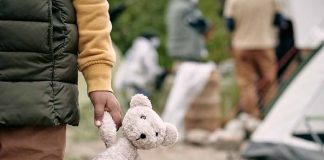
{"points": [[97, 56]]}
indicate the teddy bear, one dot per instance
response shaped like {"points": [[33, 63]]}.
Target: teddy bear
{"points": [[142, 128]]}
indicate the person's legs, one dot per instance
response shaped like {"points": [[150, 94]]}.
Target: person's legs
{"points": [[267, 67], [246, 78], [32, 143]]}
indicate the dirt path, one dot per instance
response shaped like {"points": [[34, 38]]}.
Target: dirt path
{"points": [[86, 150], [183, 152]]}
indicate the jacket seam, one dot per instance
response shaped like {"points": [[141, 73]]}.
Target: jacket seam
{"points": [[50, 10], [59, 51]]}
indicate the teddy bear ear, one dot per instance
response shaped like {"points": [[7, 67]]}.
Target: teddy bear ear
{"points": [[139, 100], [171, 135]]}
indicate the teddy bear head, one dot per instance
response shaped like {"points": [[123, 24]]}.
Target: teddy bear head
{"points": [[144, 128]]}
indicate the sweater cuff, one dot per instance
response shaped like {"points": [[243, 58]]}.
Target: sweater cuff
{"points": [[98, 77]]}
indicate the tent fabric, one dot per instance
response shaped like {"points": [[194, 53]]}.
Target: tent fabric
{"points": [[277, 151], [301, 100], [306, 18]]}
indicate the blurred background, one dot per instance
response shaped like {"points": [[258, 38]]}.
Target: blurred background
{"points": [[251, 85]]}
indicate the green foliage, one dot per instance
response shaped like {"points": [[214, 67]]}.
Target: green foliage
{"points": [[150, 15], [218, 42]]}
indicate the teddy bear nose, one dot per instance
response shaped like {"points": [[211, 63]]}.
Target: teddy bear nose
{"points": [[143, 136]]}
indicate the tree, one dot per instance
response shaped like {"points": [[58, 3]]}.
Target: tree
{"points": [[144, 15]]}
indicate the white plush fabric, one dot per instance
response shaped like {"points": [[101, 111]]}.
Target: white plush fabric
{"points": [[142, 129]]}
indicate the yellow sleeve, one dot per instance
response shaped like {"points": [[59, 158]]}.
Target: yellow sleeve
{"points": [[96, 57]]}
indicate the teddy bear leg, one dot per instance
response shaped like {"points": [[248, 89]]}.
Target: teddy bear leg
{"points": [[108, 131]]}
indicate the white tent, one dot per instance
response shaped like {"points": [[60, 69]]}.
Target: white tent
{"points": [[306, 16], [294, 127]]}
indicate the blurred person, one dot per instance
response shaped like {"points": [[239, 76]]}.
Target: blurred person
{"points": [[187, 33], [140, 68], [252, 24], [38, 73], [186, 28]]}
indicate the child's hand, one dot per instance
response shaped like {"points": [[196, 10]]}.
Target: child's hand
{"points": [[105, 101]]}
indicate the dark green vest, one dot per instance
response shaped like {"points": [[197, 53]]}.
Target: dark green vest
{"points": [[38, 63]]}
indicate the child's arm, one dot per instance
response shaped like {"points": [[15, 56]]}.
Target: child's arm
{"points": [[97, 56]]}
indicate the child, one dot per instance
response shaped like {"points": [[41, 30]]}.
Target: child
{"points": [[38, 72]]}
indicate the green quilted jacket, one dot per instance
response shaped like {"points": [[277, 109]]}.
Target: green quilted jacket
{"points": [[38, 63]]}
